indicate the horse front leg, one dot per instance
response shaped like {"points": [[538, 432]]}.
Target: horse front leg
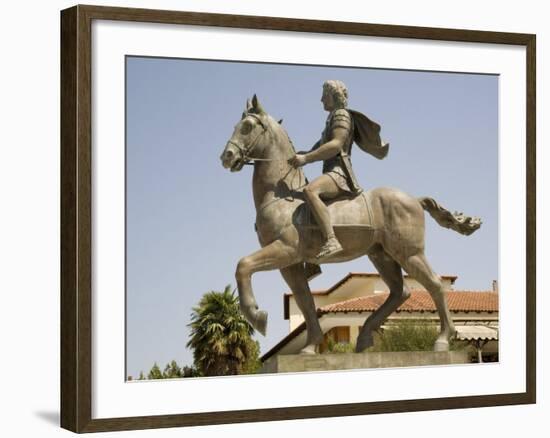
{"points": [[276, 255]]}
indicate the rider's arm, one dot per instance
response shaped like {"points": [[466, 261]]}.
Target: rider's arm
{"points": [[330, 148], [315, 146]]}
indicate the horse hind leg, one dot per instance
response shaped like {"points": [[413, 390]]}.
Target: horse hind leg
{"points": [[418, 267], [390, 272], [296, 278]]}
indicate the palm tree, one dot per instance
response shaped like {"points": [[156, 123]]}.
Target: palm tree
{"points": [[220, 337]]}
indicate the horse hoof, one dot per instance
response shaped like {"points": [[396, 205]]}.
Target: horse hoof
{"points": [[261, 322], [441, 345], [308, 349]]}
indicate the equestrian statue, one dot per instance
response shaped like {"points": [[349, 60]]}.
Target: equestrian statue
{"points": [[302, 224]]}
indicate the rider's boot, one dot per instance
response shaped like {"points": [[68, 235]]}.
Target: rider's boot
{"points": [[332, 246]]}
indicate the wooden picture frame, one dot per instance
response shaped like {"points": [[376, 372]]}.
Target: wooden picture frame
{"points": [[76, 217]]}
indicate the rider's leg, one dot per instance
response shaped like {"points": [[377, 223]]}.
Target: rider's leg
{"points": [[320, 189]]}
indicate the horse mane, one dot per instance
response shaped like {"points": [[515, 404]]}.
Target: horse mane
{"points": [[279, 127]]}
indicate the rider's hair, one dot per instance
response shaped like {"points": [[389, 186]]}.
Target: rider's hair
{"points": [[338, 90]]}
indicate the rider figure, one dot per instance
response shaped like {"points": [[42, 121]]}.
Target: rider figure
{"points": [[333, 149]]}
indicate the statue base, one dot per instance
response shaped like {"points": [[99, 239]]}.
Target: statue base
{"points": [[292, 363]]}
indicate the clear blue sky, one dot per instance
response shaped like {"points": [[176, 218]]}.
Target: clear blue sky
{"points": [[189, 220]]}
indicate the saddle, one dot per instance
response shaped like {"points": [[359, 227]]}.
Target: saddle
{"points": [[304, 219], [340, 211]]}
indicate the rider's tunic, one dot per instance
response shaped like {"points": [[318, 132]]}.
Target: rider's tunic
{"points": [[339, 118]]}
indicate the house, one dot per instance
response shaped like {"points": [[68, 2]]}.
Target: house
{"points": [[344, 307]]}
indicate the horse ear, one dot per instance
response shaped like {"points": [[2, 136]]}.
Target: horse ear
{"points": [[280, 122], [257, 105], [244, 115], [248, 105]]}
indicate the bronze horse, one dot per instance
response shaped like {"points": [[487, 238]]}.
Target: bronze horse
{"points": [[385, 224]]}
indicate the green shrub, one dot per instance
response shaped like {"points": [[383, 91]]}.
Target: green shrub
{"points": [[410, 336], [406, 336], [341, 347], [338, 347]]}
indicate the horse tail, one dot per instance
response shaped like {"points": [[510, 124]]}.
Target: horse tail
{"points": [[455, 221]]}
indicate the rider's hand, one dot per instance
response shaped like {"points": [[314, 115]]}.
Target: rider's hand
{"points": [[297, 160]]}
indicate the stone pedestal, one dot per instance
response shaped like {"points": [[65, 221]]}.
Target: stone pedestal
{"points": [[345, 361]]}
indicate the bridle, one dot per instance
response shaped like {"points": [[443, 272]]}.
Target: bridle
{"points": [[248, 159], [246, 152]]}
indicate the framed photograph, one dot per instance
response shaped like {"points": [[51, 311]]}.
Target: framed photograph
{"points": [[162, 220]]}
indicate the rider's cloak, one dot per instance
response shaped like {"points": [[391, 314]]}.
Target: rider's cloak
{"points": [[367, 135]]}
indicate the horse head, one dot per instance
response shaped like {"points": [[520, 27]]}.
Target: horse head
{"points": [[247, 142]]}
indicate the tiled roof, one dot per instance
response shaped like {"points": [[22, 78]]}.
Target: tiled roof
{"points": [[421, 301], [349, 276]]}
